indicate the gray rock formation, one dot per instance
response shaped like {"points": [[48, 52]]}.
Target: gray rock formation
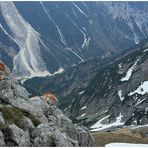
{"points": [[28, 121], [2, 143], [21, 137]]}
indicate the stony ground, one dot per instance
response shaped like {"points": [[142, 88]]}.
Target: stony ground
{"points": [[26, 121]]}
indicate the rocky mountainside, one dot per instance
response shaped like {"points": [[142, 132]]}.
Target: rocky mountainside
{"points": [[73, 79], [113, 92], [117, 95], [34, 121], [44, 38]]}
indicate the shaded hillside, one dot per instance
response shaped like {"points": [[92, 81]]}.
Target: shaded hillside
{"points": [[49, 37]]}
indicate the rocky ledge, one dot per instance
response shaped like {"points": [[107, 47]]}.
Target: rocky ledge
{"points": [[34, 121]]}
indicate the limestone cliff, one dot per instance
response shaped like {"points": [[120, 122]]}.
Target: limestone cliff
{"points": [[34, 121]]}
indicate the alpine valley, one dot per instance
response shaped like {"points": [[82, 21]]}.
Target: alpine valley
{"points": [[45, 38], [92, 55]]}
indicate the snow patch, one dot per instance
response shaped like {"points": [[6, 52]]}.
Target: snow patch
{"points": [[145, 50], [83, 115], [135, 127], [120, 95], [125, 145], [120, 65], [81, 92], [142, 89], [129, 72], [84, 107], [99, 126], [140, 101]]}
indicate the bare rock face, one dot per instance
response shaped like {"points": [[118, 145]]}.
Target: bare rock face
{"points": [[21, 137], [34, 121], [2, 143]]}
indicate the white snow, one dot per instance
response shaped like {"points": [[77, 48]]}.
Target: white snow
{"points": [[120, 95], [80, 10], [129, 72], [99, 126], [145, 50], [59, 31], [140, 101], [146, 109], [125, 145], [142, 89], [84, 107], [83, 115], [120, 65], [135, 127], [81, 92]]}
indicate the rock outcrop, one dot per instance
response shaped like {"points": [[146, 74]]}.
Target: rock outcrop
{"points": [[34, 121]]}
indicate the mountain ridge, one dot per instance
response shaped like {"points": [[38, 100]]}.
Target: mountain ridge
{"points": [[55, 41], [83, 88]]}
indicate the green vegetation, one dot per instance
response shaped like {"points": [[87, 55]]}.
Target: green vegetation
{"points": [[13, 115], [33, 118], [16, 116]]}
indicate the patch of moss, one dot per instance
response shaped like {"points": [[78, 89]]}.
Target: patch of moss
{"points": [[13, 115], [33, 118]]}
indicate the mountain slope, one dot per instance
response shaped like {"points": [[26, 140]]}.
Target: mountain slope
{"points": [[49, 37], [34, 121], [118, 93], [113, 91]]}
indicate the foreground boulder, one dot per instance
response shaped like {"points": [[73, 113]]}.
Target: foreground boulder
{"points": [[34, 121]]}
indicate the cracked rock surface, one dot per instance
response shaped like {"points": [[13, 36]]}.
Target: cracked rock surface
{"points": [[28, 121]]}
